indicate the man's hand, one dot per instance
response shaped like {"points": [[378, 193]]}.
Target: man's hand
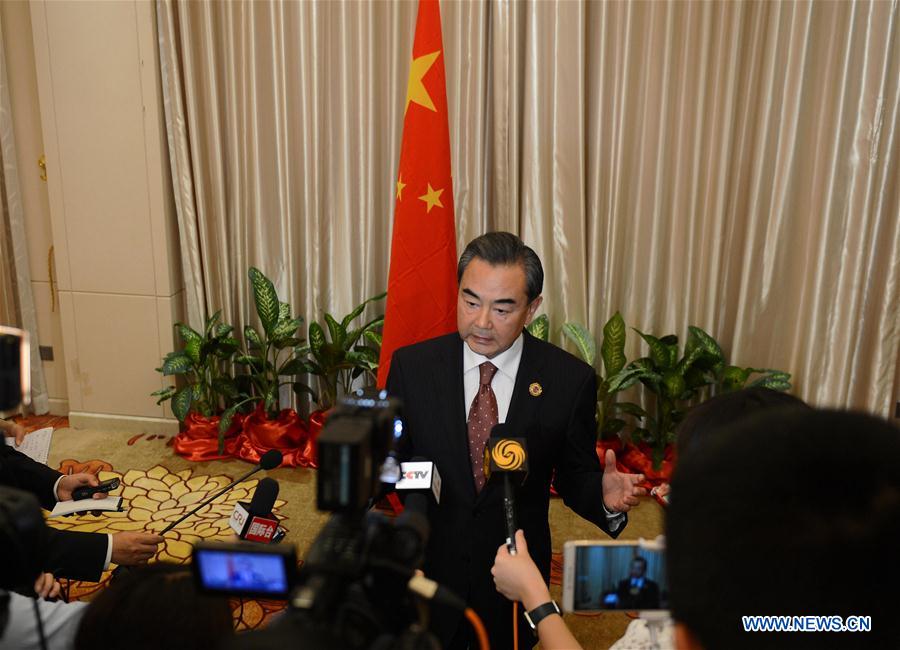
{"points": [[72, 481], [14, 430], [133, 547], [517, 577], [620, 491], [46, 586]]}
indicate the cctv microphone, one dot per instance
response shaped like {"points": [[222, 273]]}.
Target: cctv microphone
{"points": [[419, 476], [507, 456], [255, 522], [269, 460]]}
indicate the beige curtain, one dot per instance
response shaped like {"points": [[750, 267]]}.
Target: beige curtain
{"points": [[731, 165], [16, 300]]}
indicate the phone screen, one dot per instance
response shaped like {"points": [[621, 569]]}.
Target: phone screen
{"points": [[243, 572], [614, 576]]}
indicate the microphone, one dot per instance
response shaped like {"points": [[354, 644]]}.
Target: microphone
{"points": [[269, 460], [255, 522], [420, 476], [507, 456]]}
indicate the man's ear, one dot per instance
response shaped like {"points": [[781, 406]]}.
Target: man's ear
{"points": [[532, 308], [685, 639]]}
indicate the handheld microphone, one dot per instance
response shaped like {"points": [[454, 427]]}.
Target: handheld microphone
{"points": [[255, 522], [269, 460], [507, 456]]}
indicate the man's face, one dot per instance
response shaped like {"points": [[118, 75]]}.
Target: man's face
{"points": [[493, 308], [637, 569]]}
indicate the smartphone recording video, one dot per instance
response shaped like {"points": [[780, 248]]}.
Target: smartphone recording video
{"points": [[245, 570], [611, 575]]}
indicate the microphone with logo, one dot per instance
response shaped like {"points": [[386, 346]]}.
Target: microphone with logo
{"points": [[269, 460], [254, 521], [506, 459]]}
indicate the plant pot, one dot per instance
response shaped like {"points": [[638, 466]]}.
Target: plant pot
{"points": [[316, 424], [287, 433], [199, 437]]}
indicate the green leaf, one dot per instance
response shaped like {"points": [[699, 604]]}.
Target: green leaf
{"points": [[226, 418], [295, 366], [673, 384], [773, 383], [698, 338], [212, 321], [176, 363], [345, 323], [612, 349], [163, 394], [271, 398], [373, 337], [659, 353], [734, 378], [254, 340], [337, 333], [286, 328], [612, 426], [192, 350], [181, 403], [630, 408], [226, 387], [625, 378], [583, 340], [539, 328], [284, 311], [267, 305], [281, 344], [316, 337], [227, 347], [300, 389], [188, 334], [354, 335]]}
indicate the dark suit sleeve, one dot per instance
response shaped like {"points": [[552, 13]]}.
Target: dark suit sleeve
{"points": [[75, 555], [579, 478], [19, 471]]}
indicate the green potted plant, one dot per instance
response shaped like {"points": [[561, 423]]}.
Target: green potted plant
{"points": [[676, 380], [337, 358], [206, 386], [269, 356]]}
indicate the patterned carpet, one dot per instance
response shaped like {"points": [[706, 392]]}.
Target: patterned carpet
{"points": [[158, 486]]}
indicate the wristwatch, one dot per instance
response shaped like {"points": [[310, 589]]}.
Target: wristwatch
{"points": [[541, 612]]}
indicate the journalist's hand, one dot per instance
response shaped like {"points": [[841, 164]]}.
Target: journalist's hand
{"points": [[68, 483], [517, 577], [46, 586], [133, 547]]}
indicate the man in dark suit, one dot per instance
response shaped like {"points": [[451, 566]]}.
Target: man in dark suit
{"points": [[637, 591], [72, 554], [455, 387]]}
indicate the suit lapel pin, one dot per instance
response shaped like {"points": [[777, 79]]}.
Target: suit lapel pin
{"points": [[535, 390]]}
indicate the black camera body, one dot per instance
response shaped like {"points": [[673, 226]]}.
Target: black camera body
{"points": [[351, 591], [15, 368]]}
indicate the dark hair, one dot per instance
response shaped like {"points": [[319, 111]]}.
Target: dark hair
{"points": [[505, 249], [724, 410], [641, 559], [154, 607], [792, 512]]}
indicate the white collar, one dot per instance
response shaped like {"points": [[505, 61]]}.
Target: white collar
{"points": [[506, 362]]}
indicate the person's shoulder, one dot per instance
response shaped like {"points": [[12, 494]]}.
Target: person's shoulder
{"points": [[558, 357], [427, 348]]}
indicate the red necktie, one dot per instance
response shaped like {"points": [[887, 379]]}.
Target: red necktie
{"points": [[482, 418]]}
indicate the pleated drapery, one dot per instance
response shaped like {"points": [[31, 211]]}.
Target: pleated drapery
{"points": [[730, 165]]}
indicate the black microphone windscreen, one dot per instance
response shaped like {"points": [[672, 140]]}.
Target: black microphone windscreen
{"points": [[264, 497], [271, 459]]}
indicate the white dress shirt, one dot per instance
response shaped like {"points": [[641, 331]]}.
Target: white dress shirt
{"points": [[507, 364]]}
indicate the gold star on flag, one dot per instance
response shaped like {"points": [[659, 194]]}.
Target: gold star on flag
{"points": [[432, 198], [400, 186], [415, 89]]}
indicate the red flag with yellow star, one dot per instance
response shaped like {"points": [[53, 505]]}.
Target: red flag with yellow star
{"points": [[421, 296]]}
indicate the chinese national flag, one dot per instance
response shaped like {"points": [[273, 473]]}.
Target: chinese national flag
{"points": [[421, 296]]}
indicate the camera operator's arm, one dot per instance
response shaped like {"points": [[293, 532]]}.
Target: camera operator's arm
{"points": [[13, 430], [518, 578]]}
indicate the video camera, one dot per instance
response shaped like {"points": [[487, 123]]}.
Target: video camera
{"points": [[352, 590]]}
